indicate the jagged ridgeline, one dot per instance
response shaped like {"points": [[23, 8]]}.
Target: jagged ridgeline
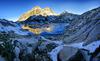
{"points": [[37, 11]]}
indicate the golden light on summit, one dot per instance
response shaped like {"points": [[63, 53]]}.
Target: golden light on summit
{"points": [[37, 11]]}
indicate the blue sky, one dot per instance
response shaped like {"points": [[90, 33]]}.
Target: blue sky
{"points": [[12, 9]]}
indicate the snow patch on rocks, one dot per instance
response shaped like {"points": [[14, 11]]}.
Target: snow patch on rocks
{"points": [[53, 54]]}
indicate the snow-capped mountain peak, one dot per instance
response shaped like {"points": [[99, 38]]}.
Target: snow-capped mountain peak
{"points": [[37, 11]]}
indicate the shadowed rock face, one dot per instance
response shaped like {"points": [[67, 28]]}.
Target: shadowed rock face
{"points": [[67, 52], [77, 57]]}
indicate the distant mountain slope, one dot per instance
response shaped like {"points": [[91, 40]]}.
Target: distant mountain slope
{"points": [[65, 17], [85, 28], [12, 27]]}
